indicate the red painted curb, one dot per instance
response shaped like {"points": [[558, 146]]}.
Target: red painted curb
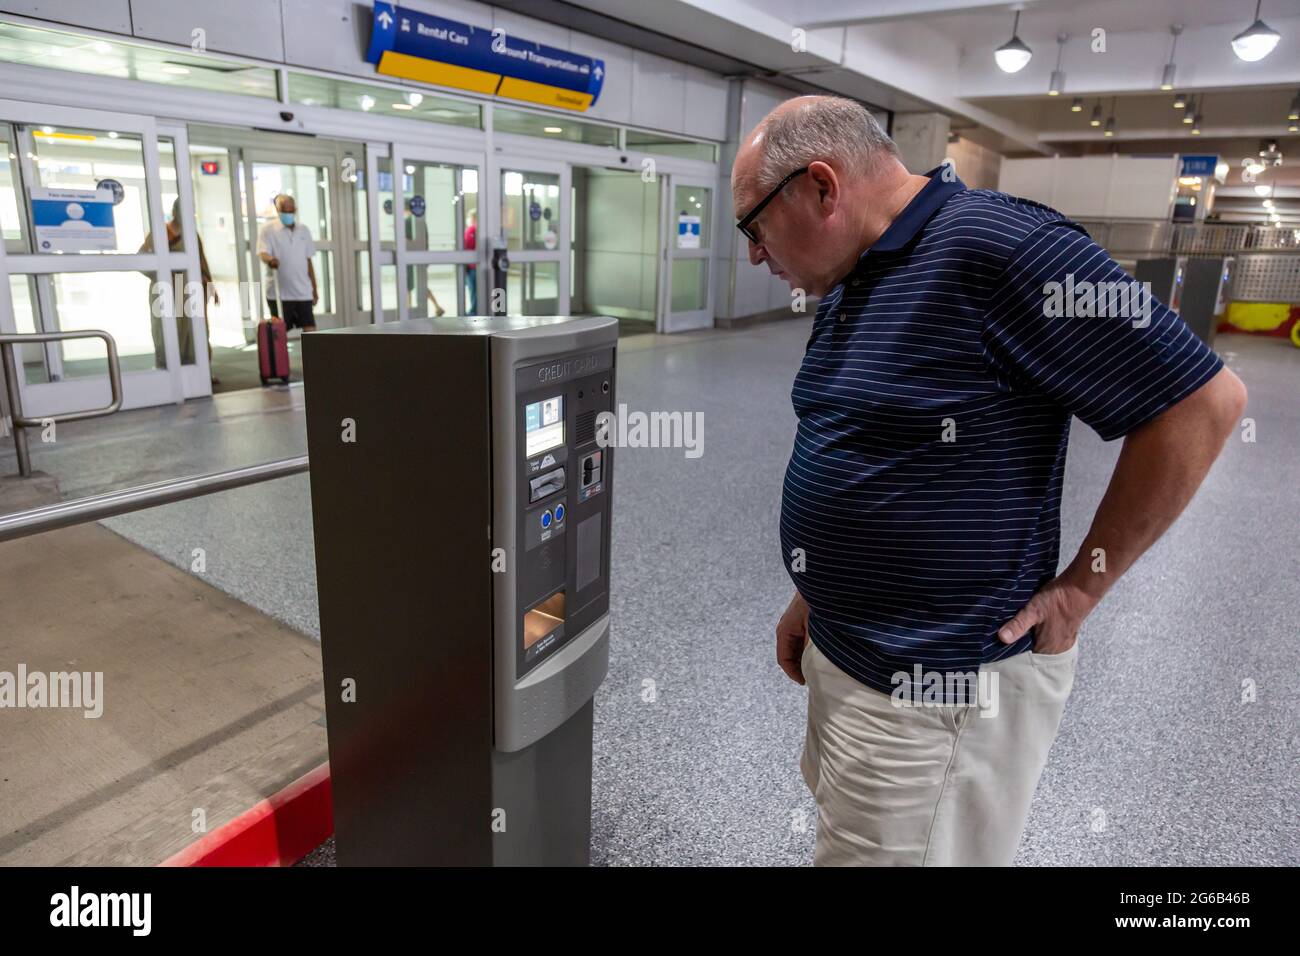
{"points": [[278, 831]]}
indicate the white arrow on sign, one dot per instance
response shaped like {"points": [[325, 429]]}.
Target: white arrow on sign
{"points": [[598, 71], [385, 19]]}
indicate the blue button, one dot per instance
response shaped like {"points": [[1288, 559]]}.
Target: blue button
{"points": [[559, 512], [546, 518]]}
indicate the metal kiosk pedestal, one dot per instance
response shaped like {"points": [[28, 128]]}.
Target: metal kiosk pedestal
{"points": [[461, 506]]}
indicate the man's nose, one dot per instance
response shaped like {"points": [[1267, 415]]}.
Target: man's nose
{"points": [[756, 253]]}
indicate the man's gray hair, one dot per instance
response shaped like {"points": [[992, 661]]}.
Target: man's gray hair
{"points": [[828, 128]]}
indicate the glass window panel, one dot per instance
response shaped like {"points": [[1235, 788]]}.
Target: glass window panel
{"points": [[447, 206], [387, 215], [119, 303], [30, 356], [523, 123], [671, 146], [98, 56], [70, 158], [690, 285], [693, 201], [387, 284], [323, 265], [530, 209], [171, 196], [210, 173], [440, 290], [383, 100], [309, 187], [533, 288], [12, 227]]}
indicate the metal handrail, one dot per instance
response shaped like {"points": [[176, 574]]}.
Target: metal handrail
{"points": [[21, 524], [1157, 237], [7, 342]]}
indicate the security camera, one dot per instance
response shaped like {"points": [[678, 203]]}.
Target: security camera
{"points": [[286, 116]]}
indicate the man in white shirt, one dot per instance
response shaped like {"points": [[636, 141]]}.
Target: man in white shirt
{"points": [[286, 246]]}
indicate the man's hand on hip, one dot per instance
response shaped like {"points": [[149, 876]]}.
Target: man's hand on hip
{"points": [[1057, 611], [791, 635]]}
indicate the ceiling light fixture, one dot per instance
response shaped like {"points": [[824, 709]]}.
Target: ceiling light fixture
{"points": [[1110, 120], [1167, 78], [1077, 105], [1013, 56], [1256, 41], [1189, 115], [1180, 101], [1095, 119], [1057, 82], [1294, 112]]}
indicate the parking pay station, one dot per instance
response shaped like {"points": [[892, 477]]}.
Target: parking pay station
{"points": [[461, 506]]}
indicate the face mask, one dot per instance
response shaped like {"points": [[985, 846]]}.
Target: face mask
{"points": [[286, 218]]}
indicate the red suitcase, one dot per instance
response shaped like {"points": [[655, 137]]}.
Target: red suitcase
{"points": [[273, 344], [273, 350]]}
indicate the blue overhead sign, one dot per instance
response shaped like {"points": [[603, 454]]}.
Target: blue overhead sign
{"points": [[1199, 165], [418, 46]]}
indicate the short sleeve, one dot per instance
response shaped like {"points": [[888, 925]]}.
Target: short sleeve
{"points": [[1065, 320], [311, 244], [263, 241]]}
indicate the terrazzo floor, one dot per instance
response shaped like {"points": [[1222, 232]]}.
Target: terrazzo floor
{"points": [[1158, 761]]}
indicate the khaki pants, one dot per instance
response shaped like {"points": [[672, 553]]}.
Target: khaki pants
{"points": [[928, 785]]}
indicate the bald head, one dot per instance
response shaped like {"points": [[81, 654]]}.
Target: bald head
{"points": [[834, 130], [843, 185]]}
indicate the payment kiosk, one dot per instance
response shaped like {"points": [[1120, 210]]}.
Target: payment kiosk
{"points": [[461, 507]]}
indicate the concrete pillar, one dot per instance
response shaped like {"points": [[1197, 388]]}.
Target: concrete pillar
{"points": [[922, 139]]}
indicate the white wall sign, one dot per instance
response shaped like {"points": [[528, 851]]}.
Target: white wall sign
{"points": [[688, 231], [73, 220]]}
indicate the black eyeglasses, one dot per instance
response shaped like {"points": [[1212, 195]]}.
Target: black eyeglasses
{"points": [[743, 224]]}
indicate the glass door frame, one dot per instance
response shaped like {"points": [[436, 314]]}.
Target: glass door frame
{"points": [[196, 378], [403, 256], [139, 389], [670, 321], [561, 254]]}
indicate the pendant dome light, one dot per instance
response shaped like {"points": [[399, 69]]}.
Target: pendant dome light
{"points": [[1013, 56], [1095, 118], [1256, 41], [1110, 120]]}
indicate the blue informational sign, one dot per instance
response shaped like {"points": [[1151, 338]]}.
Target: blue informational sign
{"points": [[388, 206], [1199, 165], [73, 220], [417, 206], [420, 46], [534, 211]]}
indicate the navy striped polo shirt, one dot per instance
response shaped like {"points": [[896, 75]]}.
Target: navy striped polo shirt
{"points": [[921, 504]]}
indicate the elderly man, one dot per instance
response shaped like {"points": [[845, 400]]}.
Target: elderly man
{"points": [[286, 246], [920, 519]]}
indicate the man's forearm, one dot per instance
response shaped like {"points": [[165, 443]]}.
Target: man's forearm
{"points": [[1159, 469]]}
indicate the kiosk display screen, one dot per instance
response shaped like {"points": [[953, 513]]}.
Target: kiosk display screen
{"points": [[543, 425]]}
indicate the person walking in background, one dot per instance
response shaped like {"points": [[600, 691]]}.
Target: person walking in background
{"points": [[286, 246], [184, 325]]}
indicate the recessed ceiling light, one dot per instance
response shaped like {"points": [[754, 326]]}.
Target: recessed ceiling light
{"points": [[175, 70], [552, 129]]}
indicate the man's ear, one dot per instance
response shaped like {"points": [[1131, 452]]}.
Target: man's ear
{"points": [[827, 183]]}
